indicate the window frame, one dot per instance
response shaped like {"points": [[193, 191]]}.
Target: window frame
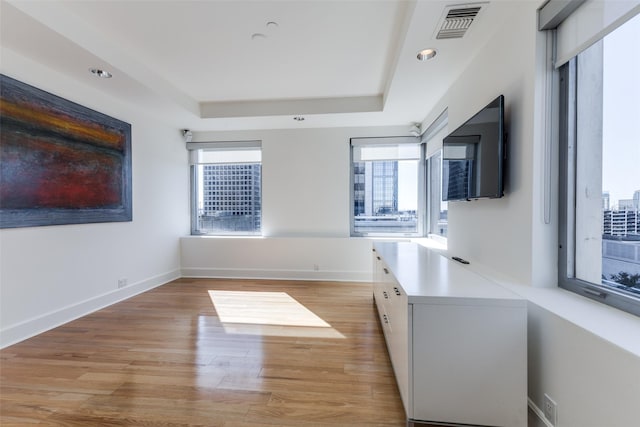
{"points": [[567, 128]]}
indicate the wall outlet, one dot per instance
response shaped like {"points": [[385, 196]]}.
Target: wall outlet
{"points": [[122, 283], [550, 410], [316, 267]]}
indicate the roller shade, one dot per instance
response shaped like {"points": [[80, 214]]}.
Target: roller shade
{"points": [[225, 152], [590, 22], [380, 149]]}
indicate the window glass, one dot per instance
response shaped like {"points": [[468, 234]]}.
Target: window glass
{"points": [[438, 209], [621, 160], [226, 191], [601, 234]]}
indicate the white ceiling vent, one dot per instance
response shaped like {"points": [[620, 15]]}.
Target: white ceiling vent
{"points": [[456, 20]]}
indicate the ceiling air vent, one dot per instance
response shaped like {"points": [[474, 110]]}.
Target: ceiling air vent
{"points": [[457, 21]]}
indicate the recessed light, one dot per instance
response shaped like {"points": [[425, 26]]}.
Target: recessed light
{"points": [[426, 54], [298, 118], [272, 25], [258, 36], [101, 73]]}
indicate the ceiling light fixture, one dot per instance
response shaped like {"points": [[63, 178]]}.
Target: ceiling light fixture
{"points": [[100, 73], [426, 54], [298, 118], [258, 36]]}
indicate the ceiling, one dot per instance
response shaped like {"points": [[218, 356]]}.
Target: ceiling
{"points": [[222, 65]]}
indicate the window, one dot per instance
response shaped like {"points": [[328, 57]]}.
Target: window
{"points": [[226, 188], [387, 184], [438, 209], [600, 172]]}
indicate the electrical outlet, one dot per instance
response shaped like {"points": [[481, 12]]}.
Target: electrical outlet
{"points": [[550, 410], [316, 267], [122, 283]]}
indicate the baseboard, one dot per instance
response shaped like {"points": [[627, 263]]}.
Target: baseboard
{"points": [[277, 274], [541, 420], [29, 328]]}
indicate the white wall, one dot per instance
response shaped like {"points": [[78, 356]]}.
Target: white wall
{"points": [[594, 381], [50, 275], [305, 211], [485, 230], [308, 258]]}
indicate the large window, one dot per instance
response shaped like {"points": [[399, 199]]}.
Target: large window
{"points": [[226, 180], [387, 186], [600, 170]]}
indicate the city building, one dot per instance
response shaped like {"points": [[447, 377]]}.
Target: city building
{"points": [[621, 223], [375, 188], [606, 200], [625, 205], [231, 197]]}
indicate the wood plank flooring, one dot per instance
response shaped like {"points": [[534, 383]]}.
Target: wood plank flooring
{"points": [[165, 358]]}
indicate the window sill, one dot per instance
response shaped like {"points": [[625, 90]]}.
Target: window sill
{"points": [[222, 236], [615, 326]]}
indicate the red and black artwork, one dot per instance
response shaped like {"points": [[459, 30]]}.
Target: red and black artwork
{"points": [[60, 162]]}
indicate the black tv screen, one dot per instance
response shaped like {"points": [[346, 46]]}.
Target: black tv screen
{"points": [[473, 156]]}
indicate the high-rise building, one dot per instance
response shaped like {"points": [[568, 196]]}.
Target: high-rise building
{"points": [[625, 205], [606, 200], [621, 223], [232, 197], [636, 200], [375, 188]]}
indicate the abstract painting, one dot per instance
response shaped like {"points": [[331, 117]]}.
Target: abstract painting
{"points": [[60, 162]]}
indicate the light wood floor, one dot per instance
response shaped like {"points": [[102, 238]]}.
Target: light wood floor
{"points": [[165, 358]]}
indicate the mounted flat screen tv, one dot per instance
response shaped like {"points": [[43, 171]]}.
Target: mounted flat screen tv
{"points": [[473, 156]]}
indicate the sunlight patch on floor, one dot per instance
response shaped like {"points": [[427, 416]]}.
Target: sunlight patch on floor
{"points": [[268, 313]]}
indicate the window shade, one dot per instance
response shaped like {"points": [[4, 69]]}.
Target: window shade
{"points": [[379, 149], [225, 152], [589, 23], [224, 145]]}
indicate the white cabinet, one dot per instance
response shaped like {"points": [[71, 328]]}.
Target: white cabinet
{"points": [[456, 340]]}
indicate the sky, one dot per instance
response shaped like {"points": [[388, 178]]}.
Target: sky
{"points": [[621, 111]]}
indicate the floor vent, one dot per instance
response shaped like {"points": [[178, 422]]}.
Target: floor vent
{"points": [[457, 21]]}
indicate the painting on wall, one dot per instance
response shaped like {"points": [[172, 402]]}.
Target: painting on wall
{"points": [[60, 162]]}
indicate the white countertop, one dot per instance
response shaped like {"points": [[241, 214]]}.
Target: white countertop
{"points": [[428, 277]]}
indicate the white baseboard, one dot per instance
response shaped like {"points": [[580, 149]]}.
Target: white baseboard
{"points": [[29, 328], [541, 420], [225, 273]]}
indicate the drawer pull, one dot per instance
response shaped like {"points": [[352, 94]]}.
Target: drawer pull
{"points": [[385, 270], [378, 258], [397, 291], [386, 319], [386, 295]]}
